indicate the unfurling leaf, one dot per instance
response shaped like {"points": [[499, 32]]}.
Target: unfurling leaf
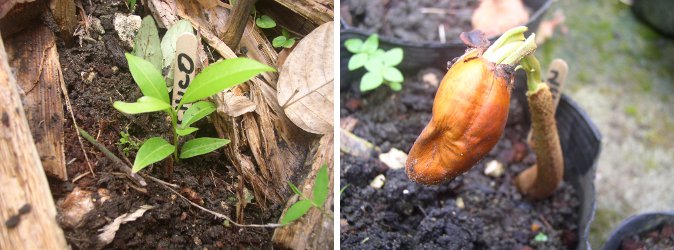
{"points": [[153, 150], [148, 78], [200, 146], [144, 104], [222, 75], [296, 211]]}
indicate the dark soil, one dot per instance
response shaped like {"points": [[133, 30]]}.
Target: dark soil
{"points": [[404, 18], [661, 237], [209, 180], [406, 215]]}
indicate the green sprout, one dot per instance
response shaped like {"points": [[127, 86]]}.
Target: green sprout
{"points": [[284, 40], [541, 237], [132, 5], [128, 142], [380, 64], [320, 195], [265, 22], [213, 79]]}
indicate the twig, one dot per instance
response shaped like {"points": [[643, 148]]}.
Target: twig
{"points": [[216, 214], [160, 181], [112, 157], [72, 116], [80, 176]]}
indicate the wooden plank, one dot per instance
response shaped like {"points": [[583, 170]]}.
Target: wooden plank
{"points": [[316, 11], [21, 177], [314, 230], [33, 54]]}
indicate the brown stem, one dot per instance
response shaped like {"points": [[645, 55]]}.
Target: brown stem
{"points": [[112, 157], [541, 180], [237, 22]]}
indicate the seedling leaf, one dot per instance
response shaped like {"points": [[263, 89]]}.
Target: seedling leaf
{"points": [[186, 131], [374, 65], [289, 43], [370, 81], [353, 45], [395, 86], [279, 41], [222, 75], [148, 78], [200, 146], [371, 44], [321, 186], [265, 22], [541, 237], [196, 112], [153, 150], [357, 61], [294, 188], [392, 74], [296, 211], [144, 104], [393, 57]]}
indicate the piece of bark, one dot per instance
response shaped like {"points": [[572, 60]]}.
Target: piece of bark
{"points": [[33, 54], [236, 23], [65, 15], [314, 229], [315, 11], [21, 176], [21, 16], [259, 48]]}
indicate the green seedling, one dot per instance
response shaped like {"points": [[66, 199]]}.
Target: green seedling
{"points": [[132, 5], [284, 40], [380, 64], [128, 142], [320, 195], [213, 79], [265, 22], [541, 237]]}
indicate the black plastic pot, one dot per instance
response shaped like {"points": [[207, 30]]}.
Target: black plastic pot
{"points": [[636, 225], [659, 14], [423, 55]]}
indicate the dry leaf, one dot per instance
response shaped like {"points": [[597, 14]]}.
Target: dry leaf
{"points": [[235, 105], [78, 203], [109, 231], [6, 6], [305, 84], [494, 17], [547, 27]]}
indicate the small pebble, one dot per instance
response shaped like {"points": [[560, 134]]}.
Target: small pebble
{"points": [[394, 159], [459, 203], [378, 181], [494, 169]]}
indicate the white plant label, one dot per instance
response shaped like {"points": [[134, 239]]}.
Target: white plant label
{"points": [[555, 79], [184, 69]]}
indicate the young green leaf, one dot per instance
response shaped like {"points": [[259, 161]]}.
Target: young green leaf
{"points": [[168, 43], [392, 74], [289, 43], [222, 75], [284, 32], [353, 45], [148, 78], [153, 150], [370, 81], [279, 41], [185, 131], [265, 22], [132, 5], [200, 146], [396, 86], [374, 65], [371, 44], [393, 57], [296, 211], [144, 104], [294, 188], [357, 61], [321, 186], [146, 44], [196, 112]]}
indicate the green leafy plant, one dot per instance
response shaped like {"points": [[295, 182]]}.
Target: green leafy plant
{"points": [[265, 22], [213, 79], [541, 237], [128, 142], [320, 195], [132, 5], [284, 40], [380, 64]]}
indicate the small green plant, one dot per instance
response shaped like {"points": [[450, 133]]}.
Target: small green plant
{"points": [[541, 237], [132, 5], [128, 142], [284, 40], [380, 64], [320, 195], [213, 79], [265, 22]]}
